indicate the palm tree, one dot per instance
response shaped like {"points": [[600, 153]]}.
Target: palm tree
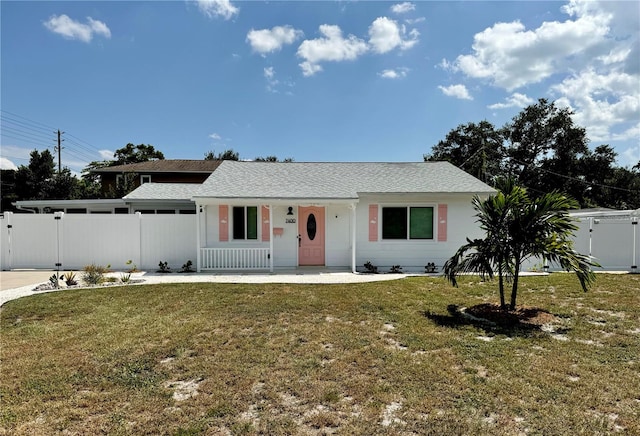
{"points": [[517, 228]]}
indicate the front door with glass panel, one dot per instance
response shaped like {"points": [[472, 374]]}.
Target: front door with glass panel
{"points": [[311, 236]]}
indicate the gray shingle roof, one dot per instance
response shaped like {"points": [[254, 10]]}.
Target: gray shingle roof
{"points": [[164, 166], [335, 180], [163, 191]]}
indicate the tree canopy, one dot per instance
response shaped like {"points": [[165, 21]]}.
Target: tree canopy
{"points": [[543, 150]]}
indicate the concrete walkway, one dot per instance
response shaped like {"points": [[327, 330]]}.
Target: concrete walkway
{"points": [[17, 284]]}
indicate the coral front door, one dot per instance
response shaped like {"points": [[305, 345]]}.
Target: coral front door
{"points": [[311, 236]]}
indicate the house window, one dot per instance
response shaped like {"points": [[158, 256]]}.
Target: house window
{"points": [[407, 223], [145, 179], [245, 222]]}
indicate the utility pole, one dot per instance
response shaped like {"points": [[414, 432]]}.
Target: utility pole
{"points": [[59, 148]]}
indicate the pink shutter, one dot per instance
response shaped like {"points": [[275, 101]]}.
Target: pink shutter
{"points": [[373, 222], [223, 222], [442, 223], [265, 224]]}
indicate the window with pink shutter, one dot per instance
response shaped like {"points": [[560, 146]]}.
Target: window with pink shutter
{"points": [[373, 222], [223, 222]]}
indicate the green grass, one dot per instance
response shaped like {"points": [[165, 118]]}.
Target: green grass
{"points": [[376, 358]]}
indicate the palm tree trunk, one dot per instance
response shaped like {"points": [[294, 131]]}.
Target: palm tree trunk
{"points": [[514, 289], [503, 305]]}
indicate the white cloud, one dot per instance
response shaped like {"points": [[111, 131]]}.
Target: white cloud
{"points": [[269, 40], [218, 8], [606, 103], [106, 154], [510, 56], [589, 63], [215, 136], [402, 8], [385, 35], [412, 21], [272, 82], [71, 29], [515, 100], [6, 164], [309, 69], [331, 47], [457, 91], [397, 73]]}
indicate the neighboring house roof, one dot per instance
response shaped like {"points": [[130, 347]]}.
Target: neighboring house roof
{"points": [[335, 180], [163, 191], [163, 166]]}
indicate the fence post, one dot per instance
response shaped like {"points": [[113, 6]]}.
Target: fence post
{"points": [[9, 250], [58, 216], [139, 226], [634, 265]]}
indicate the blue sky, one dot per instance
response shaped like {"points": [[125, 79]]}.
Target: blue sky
{"points": [[314, 81]]}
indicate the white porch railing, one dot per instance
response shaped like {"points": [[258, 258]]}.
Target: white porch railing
{"points": [[234, 258]]}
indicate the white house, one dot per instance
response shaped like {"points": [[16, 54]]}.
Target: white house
{"points": [[267, 215]]}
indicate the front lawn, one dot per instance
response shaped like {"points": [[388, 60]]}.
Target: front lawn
{"points": [[375, 358]]}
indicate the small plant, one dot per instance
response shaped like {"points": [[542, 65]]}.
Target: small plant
{"points": [[93, 274], [430, 268], [70, 278], [396, 269], [125, 277], [54, 280], [164, 267], [371, 269], [132, 266], [186, 268]]}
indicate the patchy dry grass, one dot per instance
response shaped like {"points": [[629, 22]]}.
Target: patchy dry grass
{"points": [[377, 358]]}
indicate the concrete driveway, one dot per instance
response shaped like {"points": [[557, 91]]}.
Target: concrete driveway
{"points": [[19, 278]]}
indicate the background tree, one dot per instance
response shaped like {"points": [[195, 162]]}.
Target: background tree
{"points": [[136, 153], [544, 150], [518, 227], [225, 155], [476, 148], [7, 189], [126, 155], [32, 182]]}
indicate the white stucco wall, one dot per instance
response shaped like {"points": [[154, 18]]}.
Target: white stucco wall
{"points": [[412, 255]]}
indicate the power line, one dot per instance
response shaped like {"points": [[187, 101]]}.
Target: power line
{"points": [[575, 179]]}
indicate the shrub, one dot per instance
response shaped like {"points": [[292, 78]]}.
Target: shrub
{"points": [[186, 268], [372, 269], [125, 277], [395, 269], [54, 280], [164, 267], [70, 278], [132, 266], [93, 274]]}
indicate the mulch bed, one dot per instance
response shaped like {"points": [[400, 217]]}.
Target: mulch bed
{"points": [[524, 316]]}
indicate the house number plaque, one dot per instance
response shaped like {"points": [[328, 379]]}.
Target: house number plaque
{"points": [[290, 220]]}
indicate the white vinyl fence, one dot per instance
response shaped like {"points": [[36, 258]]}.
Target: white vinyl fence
{"points": [[74, 241]]}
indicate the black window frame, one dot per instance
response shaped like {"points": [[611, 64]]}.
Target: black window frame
{"points": [[242, 229], [395, 223]]}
